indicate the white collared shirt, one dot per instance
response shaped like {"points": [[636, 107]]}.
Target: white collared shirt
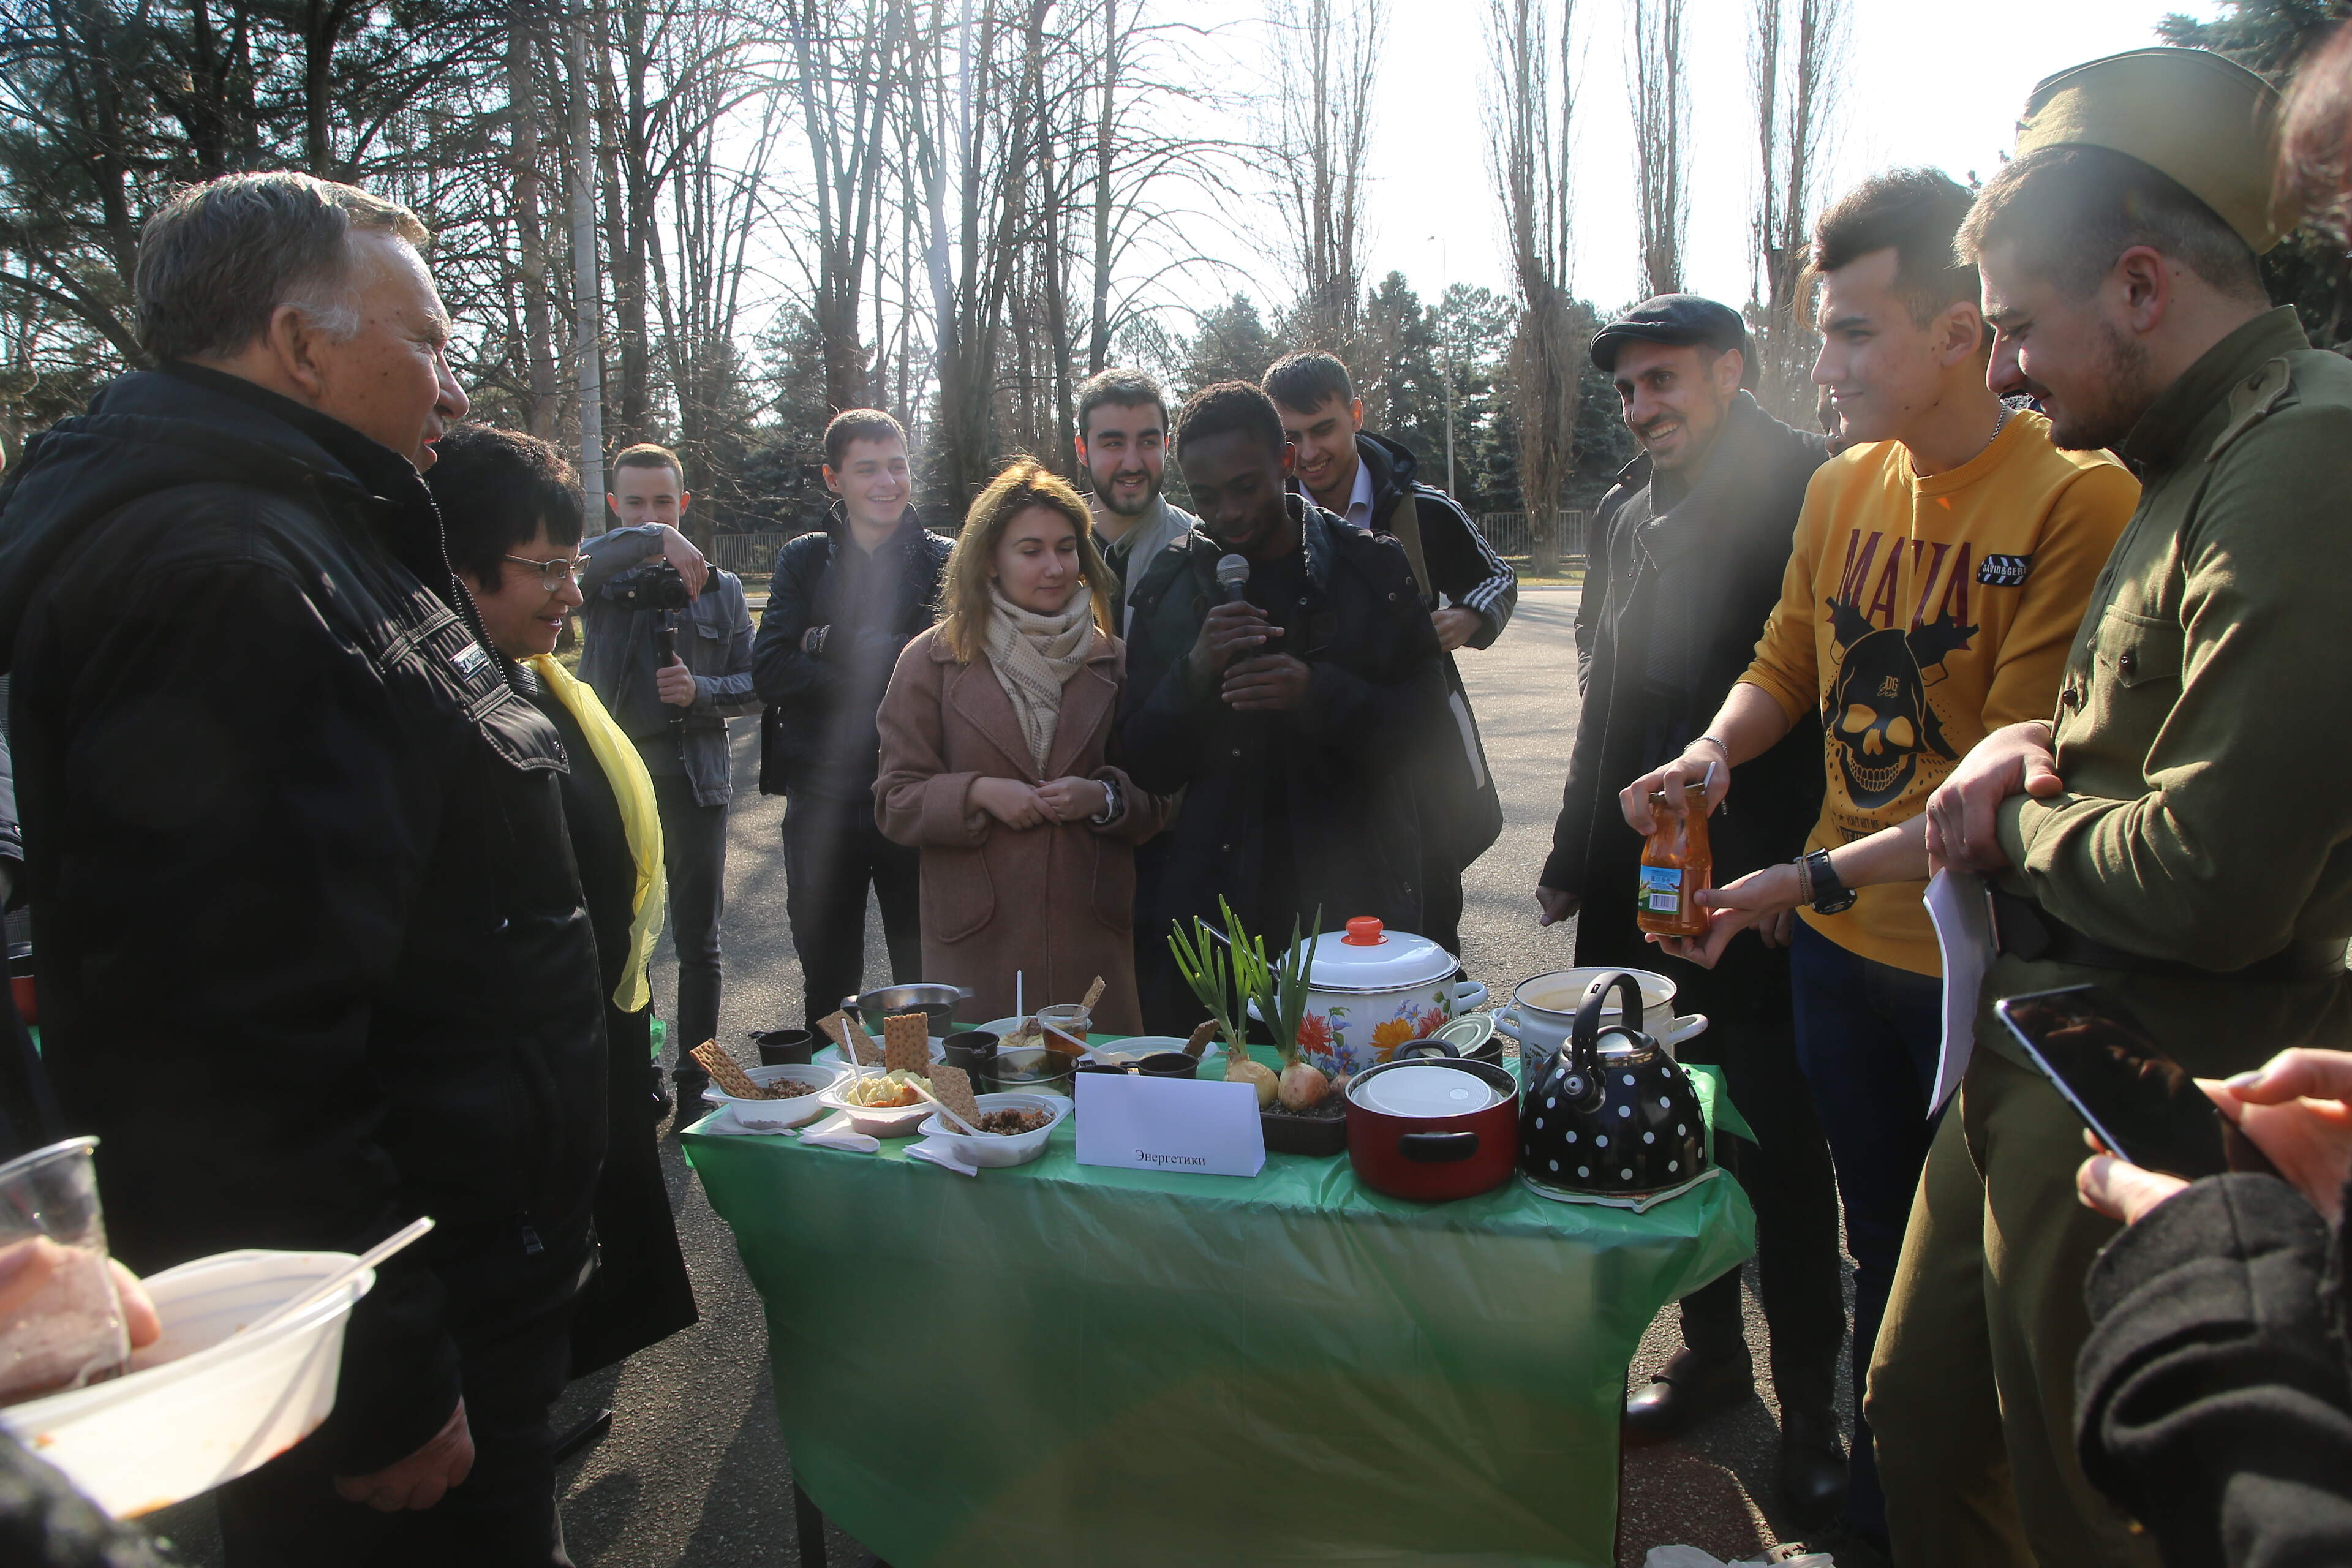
{"points": [[1359, 514]]}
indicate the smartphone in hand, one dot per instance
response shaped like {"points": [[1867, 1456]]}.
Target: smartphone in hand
{"points": [[2143, 1105]]}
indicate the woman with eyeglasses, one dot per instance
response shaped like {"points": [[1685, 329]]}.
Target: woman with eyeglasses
{"points": [[511, 507]]}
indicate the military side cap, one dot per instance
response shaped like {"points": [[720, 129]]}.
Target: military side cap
{"points": [[1673, 318], [2208, 122]]}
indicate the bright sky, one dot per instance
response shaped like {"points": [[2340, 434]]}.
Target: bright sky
{"points": [[1928, 82]]}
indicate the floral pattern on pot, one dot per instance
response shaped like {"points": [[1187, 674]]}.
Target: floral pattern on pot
{"points": [[1350, 1040]]}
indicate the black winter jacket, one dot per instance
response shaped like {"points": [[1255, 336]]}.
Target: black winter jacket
{"points": [[1338, 764], [1714, 565], [311, 949], [818, 734], [1462, 566], [2213, 1399]]}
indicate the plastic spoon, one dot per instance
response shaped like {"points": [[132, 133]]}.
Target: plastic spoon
{"points": [[397, 1241], [950, 1115]]}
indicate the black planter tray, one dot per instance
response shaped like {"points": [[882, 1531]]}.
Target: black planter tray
{"points": [[1320, 1136]]}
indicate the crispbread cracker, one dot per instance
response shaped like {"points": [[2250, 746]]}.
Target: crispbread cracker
{"points": [[1201, 1038], [907, 1043], [730, 1077], [1094, 994], [856, 1046], [951, 1087]]}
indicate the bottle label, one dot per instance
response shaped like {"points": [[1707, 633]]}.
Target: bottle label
{"points": [[1662, 890]]}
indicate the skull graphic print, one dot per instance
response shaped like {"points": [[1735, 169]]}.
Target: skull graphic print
{"points": [[1880, 722]]}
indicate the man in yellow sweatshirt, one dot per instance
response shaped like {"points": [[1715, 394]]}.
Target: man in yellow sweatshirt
{"points": [[1940, 565]]}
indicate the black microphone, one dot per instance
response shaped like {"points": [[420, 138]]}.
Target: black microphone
{"points": [[1232, 575]]}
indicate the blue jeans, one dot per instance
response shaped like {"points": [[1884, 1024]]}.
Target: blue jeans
{"points": [[1868, 1034]]}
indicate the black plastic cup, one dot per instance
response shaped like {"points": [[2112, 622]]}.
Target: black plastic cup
{"points": [[971, 1049], [1167, 1064], [784, 1047]]}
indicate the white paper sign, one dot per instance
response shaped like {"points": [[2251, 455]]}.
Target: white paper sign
{"points": [[1956, 903], [1137, 1123]]}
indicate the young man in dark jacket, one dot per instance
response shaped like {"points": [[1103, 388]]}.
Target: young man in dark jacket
{"points": [[1364, 480], [1286, 713], [1695, 540], [842, 604], [313, 959]]}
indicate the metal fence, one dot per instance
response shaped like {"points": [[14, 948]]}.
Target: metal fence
{"points": [[1512, 533], [754, 554]]}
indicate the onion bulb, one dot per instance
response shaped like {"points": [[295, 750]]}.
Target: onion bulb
{"points": [[1303, 1086], [1241, 1069]]}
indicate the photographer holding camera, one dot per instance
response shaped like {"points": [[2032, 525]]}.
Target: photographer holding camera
{"points": [[667, 649]]}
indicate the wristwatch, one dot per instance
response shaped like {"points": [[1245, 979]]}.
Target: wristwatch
{"points": [[1110, 813], [1830, 896]]}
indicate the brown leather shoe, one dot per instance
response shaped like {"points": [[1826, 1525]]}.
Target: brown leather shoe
{"points": [[1688, 1388]]}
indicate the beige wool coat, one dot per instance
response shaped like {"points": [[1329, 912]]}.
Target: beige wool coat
{"points": [[1055, 902]]}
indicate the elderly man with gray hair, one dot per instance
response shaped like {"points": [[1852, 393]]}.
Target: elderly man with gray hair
{"points": [[311, 947]]}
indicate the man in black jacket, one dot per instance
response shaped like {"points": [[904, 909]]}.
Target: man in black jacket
{"points": [[1364, 480], [313, 954], [1696, 540], [1287, 715], [842, 604]]}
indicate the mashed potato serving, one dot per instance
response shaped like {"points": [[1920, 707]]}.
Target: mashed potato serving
{"points": [[886, 1091]]}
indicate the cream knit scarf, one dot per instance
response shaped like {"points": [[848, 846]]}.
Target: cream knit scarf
{"points": [[1033, 656]]}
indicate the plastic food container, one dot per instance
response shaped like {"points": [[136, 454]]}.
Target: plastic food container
{"points": [[875, 1122], [998, 1152], [205, 1403], [775, 1115]]}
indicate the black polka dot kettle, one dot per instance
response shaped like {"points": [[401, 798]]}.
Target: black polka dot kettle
{"points": [[1611, 1119]]}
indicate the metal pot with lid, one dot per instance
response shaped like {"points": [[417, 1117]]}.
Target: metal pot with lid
{"points": [[1612, 1118], [1370, 990], [1431, 1125]]}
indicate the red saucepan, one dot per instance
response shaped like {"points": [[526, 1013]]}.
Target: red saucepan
{"points": [[1430, 1126]]}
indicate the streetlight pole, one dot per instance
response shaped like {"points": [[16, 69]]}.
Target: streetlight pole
{"points": [[1443, 288]]}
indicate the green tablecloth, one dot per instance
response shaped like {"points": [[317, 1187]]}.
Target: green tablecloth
{"points": [[1065, 1364]]}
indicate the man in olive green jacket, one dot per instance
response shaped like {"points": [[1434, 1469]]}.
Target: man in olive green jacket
{"points": [[2180, 829]]}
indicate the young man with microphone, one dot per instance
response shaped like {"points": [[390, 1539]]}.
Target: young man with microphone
{"points": [[1280, 667]]}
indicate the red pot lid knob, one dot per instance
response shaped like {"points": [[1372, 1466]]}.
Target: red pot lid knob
{"points": [[1364, 930]]}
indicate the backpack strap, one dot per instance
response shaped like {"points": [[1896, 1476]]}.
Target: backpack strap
{"points": [[1405, 524]]}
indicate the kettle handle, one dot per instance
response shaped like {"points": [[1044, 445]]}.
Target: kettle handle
{"points": [[1584, 1041]]}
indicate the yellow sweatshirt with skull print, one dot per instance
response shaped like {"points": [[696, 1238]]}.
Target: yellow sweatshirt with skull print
{"points": [[1920, 613]]}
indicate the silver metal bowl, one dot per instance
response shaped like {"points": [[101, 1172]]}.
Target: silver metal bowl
{"points": [[938, 1001]]}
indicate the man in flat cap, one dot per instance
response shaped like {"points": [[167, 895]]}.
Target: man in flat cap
{"points": [[1693, 540], [2175, 830], [1938, 568]]}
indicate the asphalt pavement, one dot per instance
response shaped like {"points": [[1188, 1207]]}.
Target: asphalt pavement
{"points": [[694, 1471]]}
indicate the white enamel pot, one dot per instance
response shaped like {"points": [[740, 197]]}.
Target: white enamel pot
{"points": [[1542, 1011], [1370, 990]]}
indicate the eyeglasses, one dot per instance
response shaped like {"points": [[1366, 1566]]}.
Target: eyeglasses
{"points": [[554, 575]]}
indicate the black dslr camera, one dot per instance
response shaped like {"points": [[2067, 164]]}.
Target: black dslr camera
{"points": [[654, 586]]}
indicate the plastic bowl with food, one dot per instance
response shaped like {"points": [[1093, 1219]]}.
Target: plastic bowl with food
{"points": [[1003, 1028], [889, 1121], [775, 1115], [1135, 1047], [996, 1149], [207, 1401]]}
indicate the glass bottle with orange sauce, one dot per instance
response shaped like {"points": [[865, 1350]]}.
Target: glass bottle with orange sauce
{"points": [[1677, 862]]}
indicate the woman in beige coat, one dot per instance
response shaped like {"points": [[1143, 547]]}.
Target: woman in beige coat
{"points": [[994, 732]]}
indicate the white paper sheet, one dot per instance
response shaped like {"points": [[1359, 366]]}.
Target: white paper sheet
{"points": [[1196, 1125], [1956, 903]]}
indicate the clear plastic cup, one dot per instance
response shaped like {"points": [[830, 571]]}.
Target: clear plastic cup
{"points": [[60, 1323], [1070, 1019]]}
